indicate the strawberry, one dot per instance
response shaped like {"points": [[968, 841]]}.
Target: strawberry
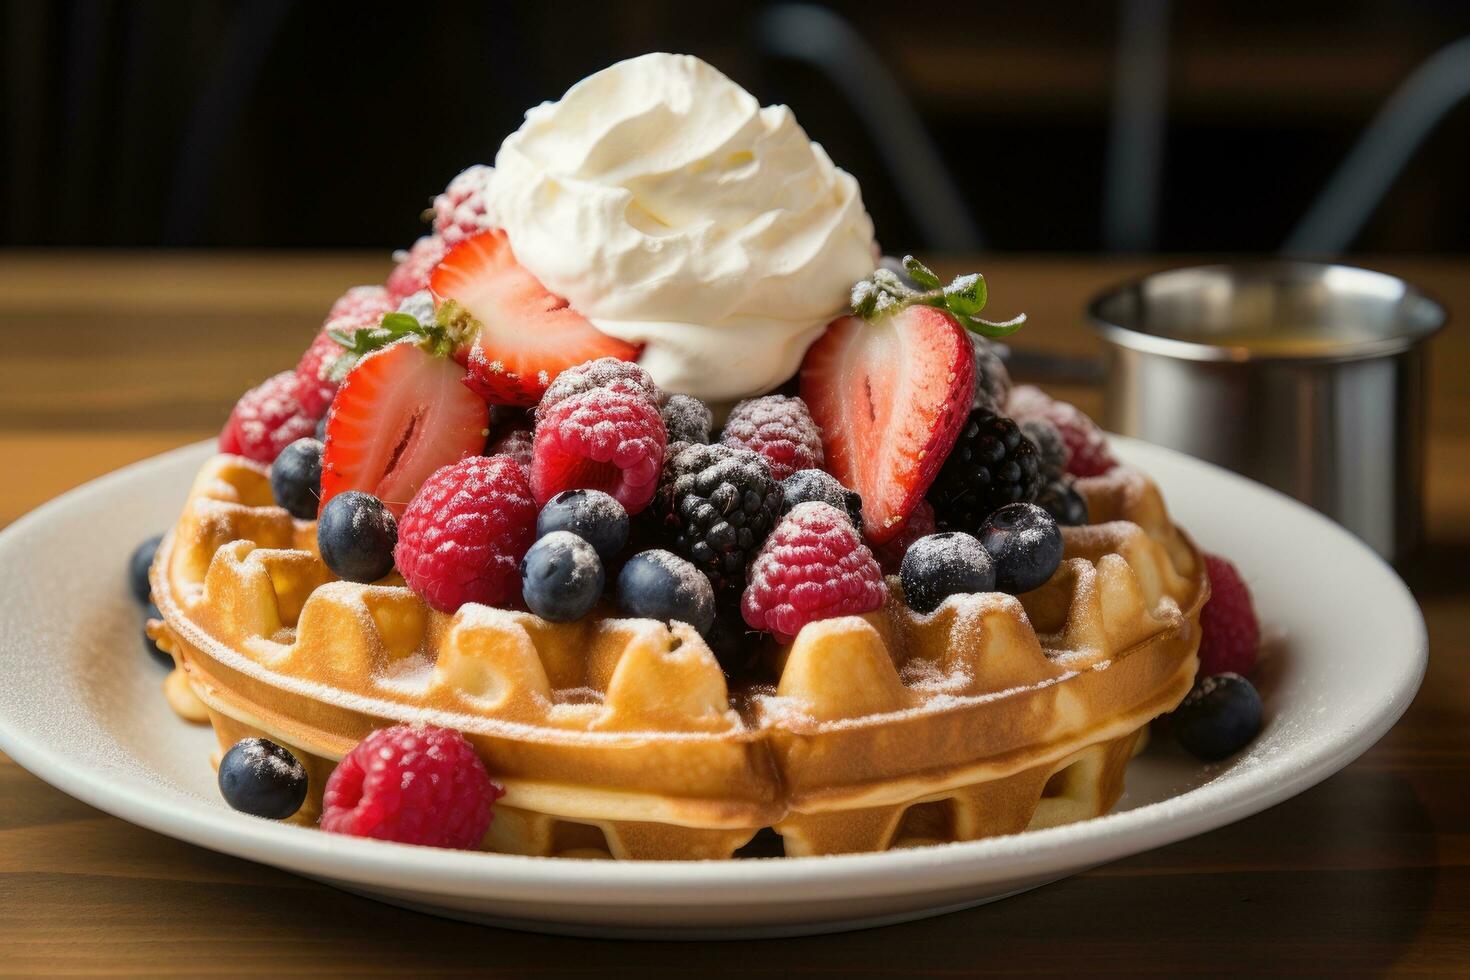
{"points": [[889, 396], [401, 413], [515, 336]]}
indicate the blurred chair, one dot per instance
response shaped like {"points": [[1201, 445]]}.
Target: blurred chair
{"points": [[1382, 152]]}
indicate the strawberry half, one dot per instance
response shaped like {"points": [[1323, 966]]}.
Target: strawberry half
{"points": [[890, 397], [519, 336], [400, 414]]}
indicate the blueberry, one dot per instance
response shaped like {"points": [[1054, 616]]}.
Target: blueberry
{"points": [[321, 428], [1218, 718], [591, 515], [804, 486], [157, 653], [261, 778], [296, 478], [138, 565], [1026, 545], [561, 577], [1061, 500], [356, 535], [938, 566], [660, 585]]}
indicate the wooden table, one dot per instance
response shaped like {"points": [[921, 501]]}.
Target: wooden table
{"points": [[110, 358]]}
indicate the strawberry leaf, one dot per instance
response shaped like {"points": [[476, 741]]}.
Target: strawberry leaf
{"points": [[392, 328], [885, 292]]}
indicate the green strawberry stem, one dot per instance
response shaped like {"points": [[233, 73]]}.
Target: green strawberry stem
{"points": [[884, 293], [438, 338]]}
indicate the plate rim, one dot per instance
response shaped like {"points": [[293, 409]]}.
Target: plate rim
{"points": [[556, 881]]}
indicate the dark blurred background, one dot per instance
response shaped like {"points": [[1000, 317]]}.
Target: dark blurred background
{"points": [[1060, 126]]}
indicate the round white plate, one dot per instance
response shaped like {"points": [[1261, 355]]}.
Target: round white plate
{"points": [[80, 706]]}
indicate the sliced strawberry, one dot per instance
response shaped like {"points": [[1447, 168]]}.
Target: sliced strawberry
{"points": [[400, 415], [522, 336], [890, 397]]}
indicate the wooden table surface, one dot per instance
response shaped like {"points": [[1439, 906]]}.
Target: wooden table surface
{"points": [[111, 358]]}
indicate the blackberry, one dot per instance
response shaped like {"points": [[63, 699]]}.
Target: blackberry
{"points": [[992, 380], [992, 464], [804, 485], [717, 504], [1051, 448], [687, 419]]}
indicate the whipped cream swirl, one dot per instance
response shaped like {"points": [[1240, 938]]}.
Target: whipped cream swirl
{"points": [[672, 210]]}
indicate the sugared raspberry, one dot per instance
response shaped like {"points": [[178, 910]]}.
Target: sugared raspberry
{"points": [[464, 534], [813, 566], [266, 419], [518, 444], [315, 387], [414, 785], [411, 274], [605, 372], [780, 429], [919, 523], [687, 419], [1088, 453], [603, 439], [366, 303], [459, 212], [1230, 635]]}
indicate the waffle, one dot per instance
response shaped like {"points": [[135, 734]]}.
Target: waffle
{"points": [[621, 737]]}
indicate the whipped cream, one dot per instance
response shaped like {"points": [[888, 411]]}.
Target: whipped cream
{"points": [[669, 208]]}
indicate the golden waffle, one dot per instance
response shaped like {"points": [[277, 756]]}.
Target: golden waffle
{"points": [[621, 737]]}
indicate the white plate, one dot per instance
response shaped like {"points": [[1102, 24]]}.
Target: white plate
{"points": [[80, 707]]}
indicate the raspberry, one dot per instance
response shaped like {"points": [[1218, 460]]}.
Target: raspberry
{"points": [[602, 439], [266, 419], [813, 566], [518, 444], [687, 419], [919, 524], [411, 274], [991, 465], [414, 785], [366, 303], [459, 212], [605, 372], [780, 429], [1087, 448], [464, 534], [992, 380], [314, 388], [1230, 636], [718, 503]]}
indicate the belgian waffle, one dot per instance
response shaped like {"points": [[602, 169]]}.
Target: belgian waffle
{"points": [[621, 737]]}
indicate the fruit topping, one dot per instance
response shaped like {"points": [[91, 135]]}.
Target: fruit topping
{"points": [[1061, 500], [991, 465], [780, 429], [414, 784], [266, 419], [1230, 633], [296, 478], [315, 384], [139, 562], [591, 515], [717, 504], [1087, 448], [687, 419], [1051, 450], [813, 566], [263, 779], [889, 398], [561, 577], [992, 380], [459, 212], [355, 535], [463, 536], [887, 291], [938, 566], [411, 273], [606, 373], [806, 485], [513, 335], [1219, 717], [518, 444], [364, 304], [658, 584], [601, 439], [920, 523], [402, 412], [1025, 544]]}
